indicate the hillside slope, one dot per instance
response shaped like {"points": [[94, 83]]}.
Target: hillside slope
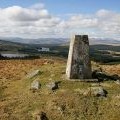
{"points": [[69, 102], [10, 46]]}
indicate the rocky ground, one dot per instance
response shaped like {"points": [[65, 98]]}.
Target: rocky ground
{"points": [[22, 98]]}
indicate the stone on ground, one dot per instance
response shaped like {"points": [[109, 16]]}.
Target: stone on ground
{"points": [[33, 73], [35, 85], [101, 76], [41, 116], [98, 91], [117, 82], [52, 85]]}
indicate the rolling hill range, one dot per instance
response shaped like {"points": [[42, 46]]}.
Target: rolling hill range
{"points": [[58, 41], [98, 52], [8, 46]]}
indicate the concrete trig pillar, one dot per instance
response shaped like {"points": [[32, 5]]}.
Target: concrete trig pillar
{"points": [[78, 64]]}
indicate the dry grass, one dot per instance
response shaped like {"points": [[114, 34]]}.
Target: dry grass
{"points": [[112, 69], [18, 102]]}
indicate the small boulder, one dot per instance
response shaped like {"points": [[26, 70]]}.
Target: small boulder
{"points": [[98, 91], [41, 116], [117, 82], [115, 77], [33, 73], [52, 85], [101, 76], [35, 85]]}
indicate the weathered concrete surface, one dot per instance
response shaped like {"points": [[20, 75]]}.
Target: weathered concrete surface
{"points": [[79, 65]]}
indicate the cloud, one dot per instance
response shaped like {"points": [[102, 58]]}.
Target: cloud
{"points": [[80, 21], [109, 22], [17, 13], [103, 23], [38, 6], [104, 13], [36, 21]]}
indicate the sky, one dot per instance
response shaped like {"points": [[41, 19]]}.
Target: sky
{"points": [[59, 18]]}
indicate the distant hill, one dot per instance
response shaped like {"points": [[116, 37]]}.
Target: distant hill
{"points": [[37, 41], [100, 52], [61, 41], [106, 41], [8, 45], [15, 46], [105, 47]]}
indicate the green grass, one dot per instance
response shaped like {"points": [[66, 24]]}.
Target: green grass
{"points": [[18, 102]]}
